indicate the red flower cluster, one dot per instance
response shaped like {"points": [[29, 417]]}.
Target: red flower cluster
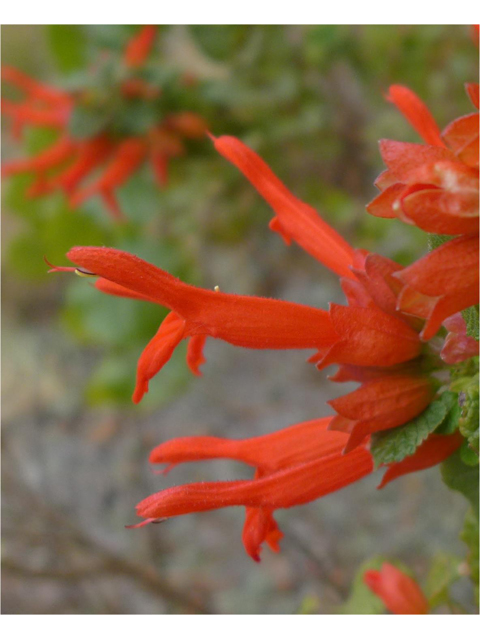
{"points": [[69, 162], [400, 593], [435, 187], [374, 339]]}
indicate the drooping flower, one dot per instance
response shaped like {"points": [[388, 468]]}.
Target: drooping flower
{"points": [[400, 594], [69, 163]]}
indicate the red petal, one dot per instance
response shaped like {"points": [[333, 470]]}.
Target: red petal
{"points": [[450, 267], [260, 526], [472, 90], [383, 205], [195, 357], [417, 114], [404, 159], [377, 280], [439, 211], [400, 593], [434, 450], [158, 352], [388, 401], [295, 220], [370, 337], [285, 448], [461, 131]]}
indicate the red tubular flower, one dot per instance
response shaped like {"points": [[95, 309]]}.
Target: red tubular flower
{"points": [[284, 449], [400, 593], [280, 490], [258, 323], [431, 186], [294, 220], [441, 283], [139, 47], [434, 450], [287, 487]]}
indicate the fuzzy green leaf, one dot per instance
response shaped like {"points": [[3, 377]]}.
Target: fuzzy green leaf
{"points": [[397, 444]]}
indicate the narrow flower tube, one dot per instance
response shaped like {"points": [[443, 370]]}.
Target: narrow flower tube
{"points": [[294, 219], [285, 448], [400, 593], [417, 113], [252, 322], [257, 323], [280, 490]]}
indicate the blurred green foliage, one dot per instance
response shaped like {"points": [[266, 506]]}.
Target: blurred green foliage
{"points": [[309, 99]]}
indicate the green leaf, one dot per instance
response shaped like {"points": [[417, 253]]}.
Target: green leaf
{"points": [[443, 573], [461, 477], [362, 600], [397, 444], [470, 316], [450, 424], [470, 536], [68, 46], [469, 420]]}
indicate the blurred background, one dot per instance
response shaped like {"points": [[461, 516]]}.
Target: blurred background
{"points": [[310, 100]]}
